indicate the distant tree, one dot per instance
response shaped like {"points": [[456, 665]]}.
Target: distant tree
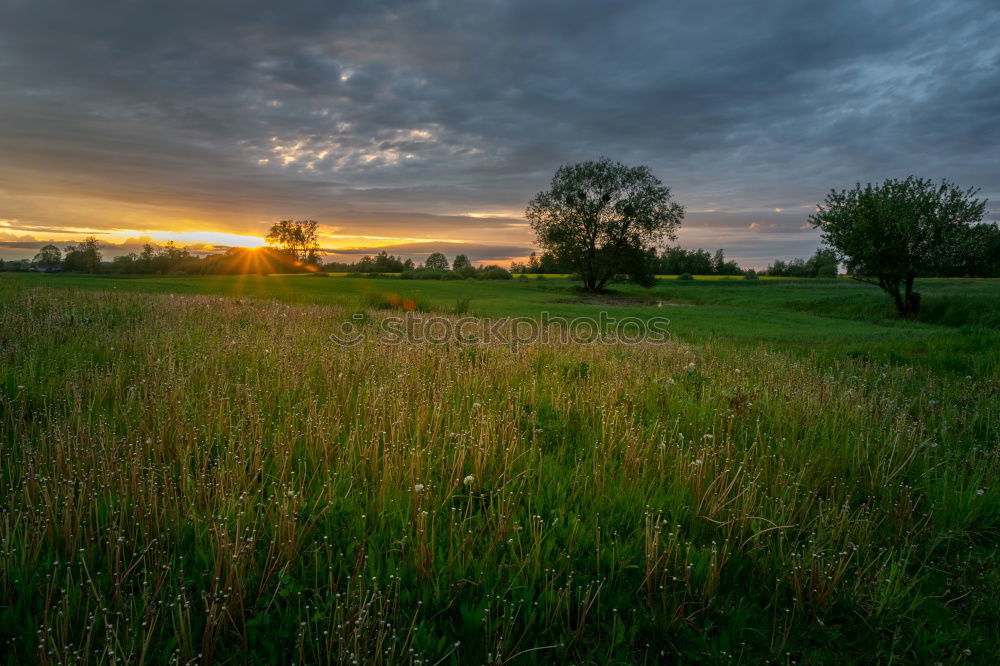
{"points": [[677, 260], [491, 272], [298, 238], [824, 263], [146, 257], [125, 263], [719, 261], [722, 267], [84, 257], [387, 263], [599, 218], [436, 261], [979, 254], [463, 266], [777, 269], [170, 259], [49, 256], [890, 233]]}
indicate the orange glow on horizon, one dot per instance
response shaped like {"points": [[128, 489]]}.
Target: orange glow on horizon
{"points": [[208, 238]]}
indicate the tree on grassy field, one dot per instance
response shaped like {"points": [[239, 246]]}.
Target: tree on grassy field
{"points": [[84, 257], [600, 217], [890, 233], [48, 257], [296, 237], [436, 262]]}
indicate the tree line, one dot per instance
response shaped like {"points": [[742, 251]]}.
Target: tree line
{"points": [[168, 259], [435, 267], [669, 261], [602, 222]]}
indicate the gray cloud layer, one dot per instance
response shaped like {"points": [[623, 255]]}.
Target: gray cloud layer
{"points": [[395, 118]]}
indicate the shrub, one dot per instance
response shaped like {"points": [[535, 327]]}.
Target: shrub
{"points": [[685, 276], [750, 275], [494, 273]]}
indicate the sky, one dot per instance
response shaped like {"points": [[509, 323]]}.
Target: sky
{"points": [[421, 126]]}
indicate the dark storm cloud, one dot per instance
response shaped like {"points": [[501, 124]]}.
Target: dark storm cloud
{"points": [[402, 115]]}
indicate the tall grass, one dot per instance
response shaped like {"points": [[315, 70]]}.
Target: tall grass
{"points": [[204, 479]]}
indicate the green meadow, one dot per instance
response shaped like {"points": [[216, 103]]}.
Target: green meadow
{"points": [[192, 471]]}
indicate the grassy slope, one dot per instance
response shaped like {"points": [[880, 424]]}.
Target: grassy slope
{"points": [[211, 476]]}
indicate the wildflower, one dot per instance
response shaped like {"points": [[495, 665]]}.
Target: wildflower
{"points": [[981, 491], [419, 488], [476, 405], [691, 366], [469, 480], [709, 435]]}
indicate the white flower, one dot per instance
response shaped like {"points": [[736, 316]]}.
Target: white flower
{"points": [[691, 366], [469, 480], [981, 491], [709, 436], [419, 488], [476, 405]]}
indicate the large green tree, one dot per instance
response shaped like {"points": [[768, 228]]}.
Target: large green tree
{"points": [[600, 217], [890, 233]]}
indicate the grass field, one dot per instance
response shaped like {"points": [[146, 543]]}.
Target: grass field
{"points": [[193, 472]]}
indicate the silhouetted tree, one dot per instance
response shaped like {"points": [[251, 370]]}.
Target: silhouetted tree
{"points": [[84, 257], [436, 261], [463, 266], [48, 257], [298, 238], [600, 216]]}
